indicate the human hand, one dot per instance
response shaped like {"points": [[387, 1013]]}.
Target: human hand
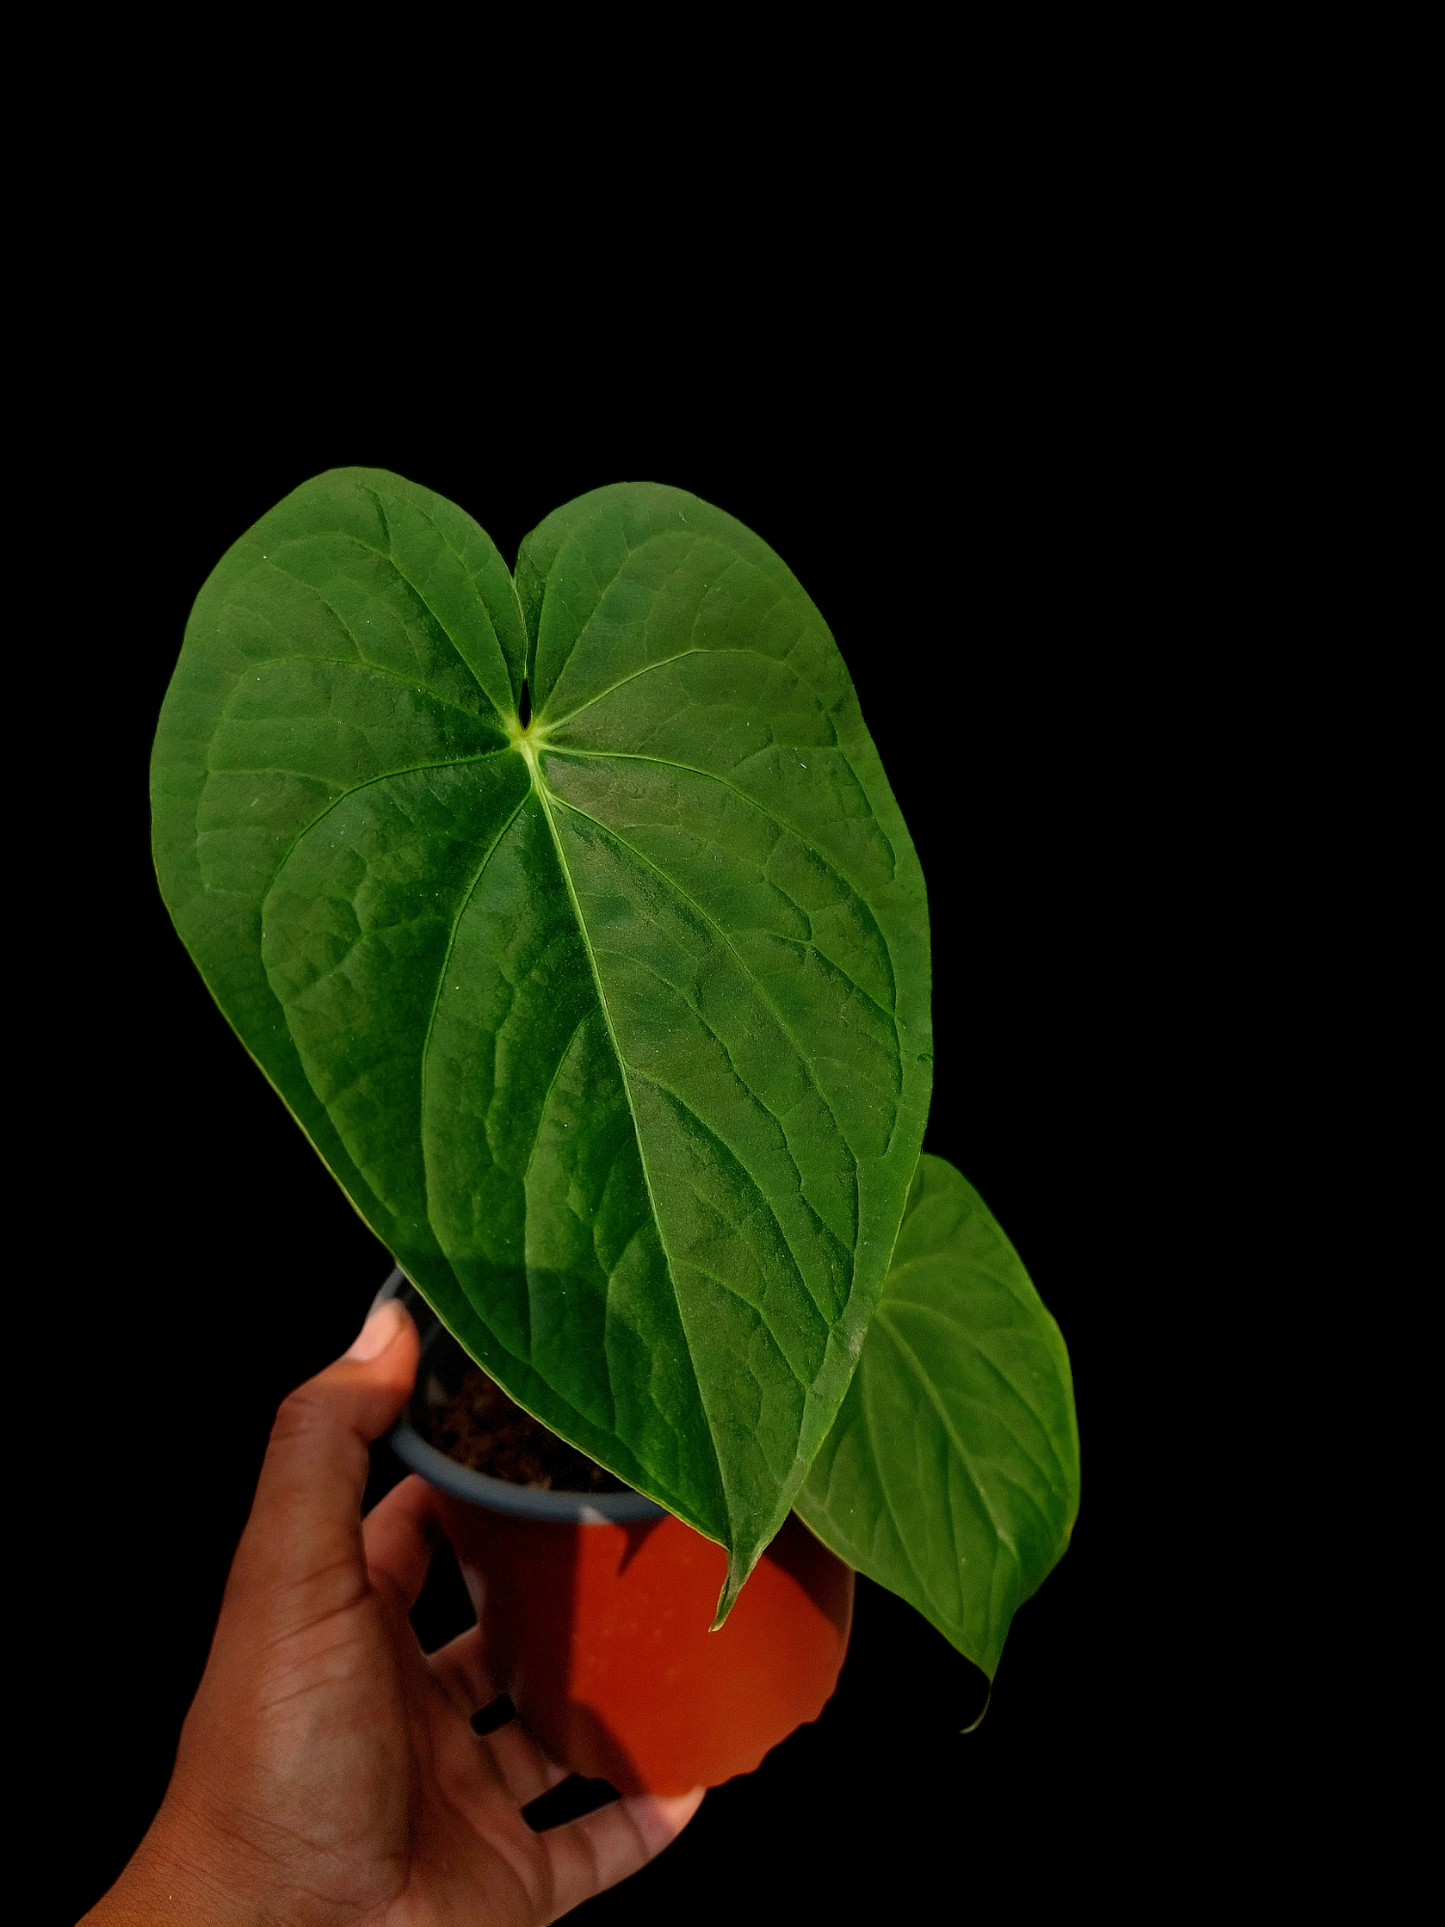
{"points": [[327, 1771]]}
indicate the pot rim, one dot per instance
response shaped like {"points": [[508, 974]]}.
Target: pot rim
{"points": [[479, 1488]]}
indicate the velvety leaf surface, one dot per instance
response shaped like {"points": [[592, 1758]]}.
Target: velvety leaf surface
{"points": [[951, 1474], [616, 1027]]}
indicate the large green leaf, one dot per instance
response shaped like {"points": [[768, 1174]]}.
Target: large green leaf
{"points": [[615, 1027], [952, 1472]]}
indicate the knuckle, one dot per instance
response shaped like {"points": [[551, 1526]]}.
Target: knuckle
{"points": [[302, 1414]]}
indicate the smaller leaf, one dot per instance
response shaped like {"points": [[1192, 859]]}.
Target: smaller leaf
{"points": [[951, 1474]]}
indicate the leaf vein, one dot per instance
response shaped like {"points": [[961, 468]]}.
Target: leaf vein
{"points": [[1059, 1475], [556, 722], [366, 663], [717, 1137], [935, 1398], [747, 970], [789, 829], [420, 595], [386, 776]]}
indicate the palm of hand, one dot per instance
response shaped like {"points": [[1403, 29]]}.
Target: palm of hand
{"points": [[328, 1772]]}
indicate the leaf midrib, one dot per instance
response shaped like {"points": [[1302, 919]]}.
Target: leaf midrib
{"points": [[541, 792]]}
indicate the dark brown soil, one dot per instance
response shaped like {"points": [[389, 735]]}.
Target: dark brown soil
{"points": [[480, 1427]]}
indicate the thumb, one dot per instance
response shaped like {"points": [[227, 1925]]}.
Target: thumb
{"points": [[303, 1537]]}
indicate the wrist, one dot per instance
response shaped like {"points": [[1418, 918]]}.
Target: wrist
{"points": [[171, 1880]]}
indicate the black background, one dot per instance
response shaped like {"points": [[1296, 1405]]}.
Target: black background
{"points": [[1000, 536]]}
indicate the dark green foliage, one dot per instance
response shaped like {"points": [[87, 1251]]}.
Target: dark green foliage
{"points": [[952, 1472], [616, 1028]]}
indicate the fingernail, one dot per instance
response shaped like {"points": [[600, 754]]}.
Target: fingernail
{"points": [[377, 1333]]}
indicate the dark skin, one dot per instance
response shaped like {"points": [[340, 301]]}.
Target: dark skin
{"points": [[327, 1772]]}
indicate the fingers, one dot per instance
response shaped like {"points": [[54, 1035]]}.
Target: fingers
{"points": [[585, 1855], [595, 1853], [460, 1669], [400, 1535], [304, 1531], [660, 1817]]}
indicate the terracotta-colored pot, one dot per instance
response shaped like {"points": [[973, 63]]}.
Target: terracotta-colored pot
{"points": [[595, 1611], [599, 1632]]}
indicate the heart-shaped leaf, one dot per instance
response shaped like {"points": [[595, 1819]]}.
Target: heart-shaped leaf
{"points": [[951, 1475], [615, 1026]]}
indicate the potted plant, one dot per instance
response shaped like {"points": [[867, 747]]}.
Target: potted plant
{"points": [[596, 1603], [571, 914]]}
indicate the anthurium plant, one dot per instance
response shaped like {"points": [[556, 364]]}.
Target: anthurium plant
{"points": [[569, 911]]}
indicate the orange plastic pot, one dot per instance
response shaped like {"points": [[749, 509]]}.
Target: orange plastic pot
{"points": [[595, 1612], [599, 1633]]}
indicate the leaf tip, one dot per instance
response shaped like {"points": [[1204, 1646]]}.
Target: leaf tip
{"points": [[732, 1586], [975, 1724]]}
